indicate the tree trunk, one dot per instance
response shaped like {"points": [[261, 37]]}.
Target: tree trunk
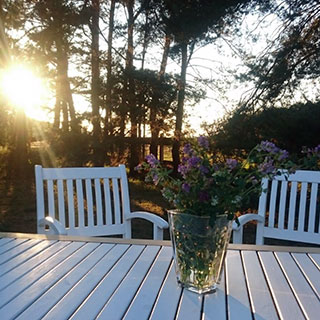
{"points": [[64, 101], [95, 71], [145, 39], [125, 99], [180, 107], [65, 119], [165, 55], [107, 120], [61, 99], [153, 112], [134, 153], [73, 119]]}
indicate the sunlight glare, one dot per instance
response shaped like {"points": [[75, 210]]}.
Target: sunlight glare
{"points": [[24, 90]]}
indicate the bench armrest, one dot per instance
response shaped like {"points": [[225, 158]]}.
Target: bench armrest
{"points": [[242, 220], [55, 227], [158, 223]]}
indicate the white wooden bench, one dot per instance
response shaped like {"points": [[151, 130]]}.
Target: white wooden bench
{"points": [[87, 202], [288, 210]]}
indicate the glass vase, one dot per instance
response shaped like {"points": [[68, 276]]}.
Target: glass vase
{"points": [[199, 247]]}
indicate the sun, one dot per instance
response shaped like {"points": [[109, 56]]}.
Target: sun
{"points": [[24, 90]]}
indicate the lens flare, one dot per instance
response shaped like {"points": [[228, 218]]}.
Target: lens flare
{"points": [[24, 90]]}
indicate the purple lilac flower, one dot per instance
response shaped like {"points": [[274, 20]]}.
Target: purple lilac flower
{"points": [[204, 196], [215, 167], [311, 152], [203, 142], [193, 161], [155, 178], [267, 167], [268, 146], [183, 169], [317, 149], [284, 154], [203, 169], [231, 163], [187, 149], [184, 160], [186, 187], [152, 160]]}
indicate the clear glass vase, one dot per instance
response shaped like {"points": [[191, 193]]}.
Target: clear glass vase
{"points": [[199, 247]]}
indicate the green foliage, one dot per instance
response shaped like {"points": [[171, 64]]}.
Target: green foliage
{"points": [[154, 92], [290, 128], [190, 20]]}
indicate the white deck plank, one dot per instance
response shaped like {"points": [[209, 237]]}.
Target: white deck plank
{"points": [[141, 306], [237, 295], [5, 240], [51, 297], [21, 302], [309, 269], [168, 301], [190, 306], [260, 297], [285, 301], [316, 259], [18, 271], [98, 298], [22, 257], [18, 250], [18, 286], [120, 300], [308, 301], [74, 298], [10, 245], [215, 303]]}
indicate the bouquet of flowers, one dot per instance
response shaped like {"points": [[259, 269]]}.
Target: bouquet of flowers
{"points": [[208, 184], [207, 193]]}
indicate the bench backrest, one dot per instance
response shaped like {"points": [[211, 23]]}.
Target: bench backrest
{"points": [[86, 201], [290, 208]]}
